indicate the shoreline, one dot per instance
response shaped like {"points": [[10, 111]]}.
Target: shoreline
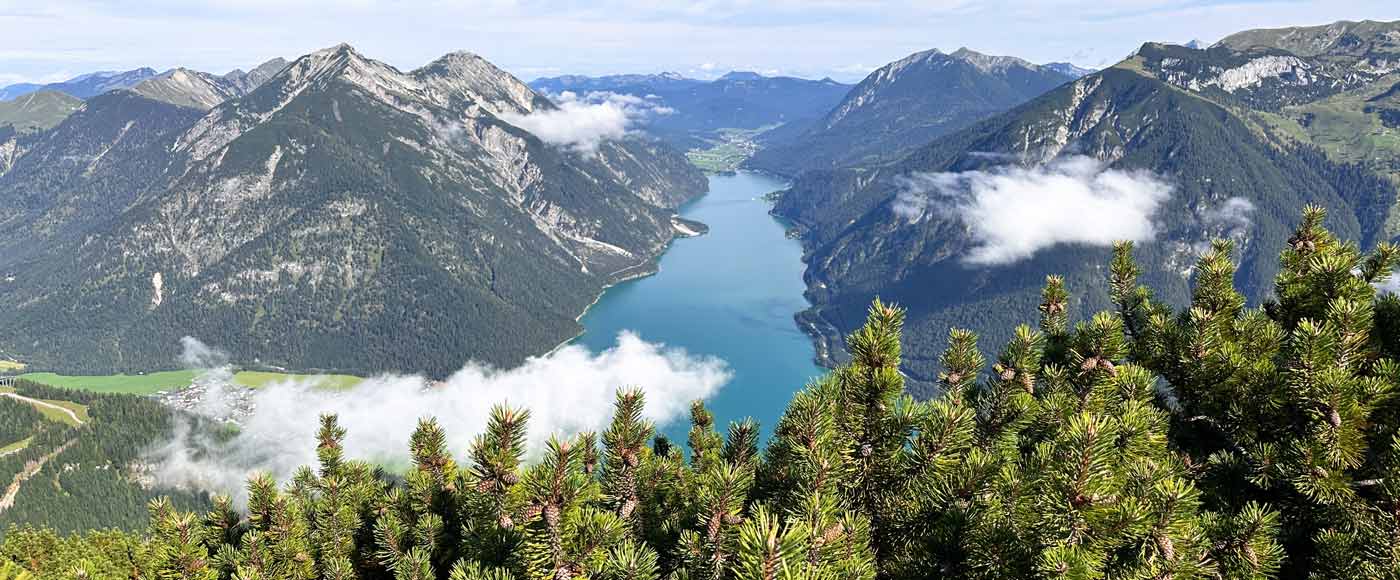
{"points": [[651, 267]]}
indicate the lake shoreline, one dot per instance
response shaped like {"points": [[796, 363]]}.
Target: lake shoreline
{"points": [[732, 295]]}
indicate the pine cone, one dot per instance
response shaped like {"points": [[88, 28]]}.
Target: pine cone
{"points": [[628, 507], [712, 529], [866, 450], [533, 511], [1007, 374], [1335, 418], [833, 532], [1167, 547], [505, 522], [551, 515], [732, 519], [954, 378], [510, 478], [629, 458], [1250, 555], [1089, 364]]}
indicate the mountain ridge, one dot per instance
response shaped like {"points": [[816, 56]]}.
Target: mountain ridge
{"points": [[1135, 116], [344, 214], [905, 104]]}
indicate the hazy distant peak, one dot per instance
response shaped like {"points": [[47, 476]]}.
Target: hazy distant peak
{"points": [[1068, 69], [740, 75], [989, 63]]}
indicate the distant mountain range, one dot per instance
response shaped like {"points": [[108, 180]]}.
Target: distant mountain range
{"points": [[697, 108], [906, 104], [333, 212], [178, 86], [1244, 134], [83, 86]]}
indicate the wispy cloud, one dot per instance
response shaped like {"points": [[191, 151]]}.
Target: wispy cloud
{"points": [[1013, 211], [582, 122]]}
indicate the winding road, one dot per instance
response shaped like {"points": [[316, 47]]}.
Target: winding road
{"points": [[76, 419]]}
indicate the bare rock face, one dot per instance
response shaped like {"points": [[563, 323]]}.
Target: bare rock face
{"points": [[342, 214]]}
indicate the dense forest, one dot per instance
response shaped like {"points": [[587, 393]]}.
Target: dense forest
{"points": [[1215, 441], [87, 476]]}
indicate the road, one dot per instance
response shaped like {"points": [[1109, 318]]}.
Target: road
{"points": [[77, 420]]}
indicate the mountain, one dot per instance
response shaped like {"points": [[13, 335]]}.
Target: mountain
{"points": [[188, 88], [1335, 87], [905, 104], [696, 111], [1068, 69], [1203, 122], [37, 110], [245, 82], [343, 215], [84, 86], [612, 83], [201, 90], [1337, 39]]}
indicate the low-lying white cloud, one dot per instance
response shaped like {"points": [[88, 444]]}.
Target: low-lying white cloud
{"points": [[582, 122], [1232, 217], [1014, 211], [1389, 285], [567, 391]]}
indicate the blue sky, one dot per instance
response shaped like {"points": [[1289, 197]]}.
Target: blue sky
{"points": [[845, 39]]}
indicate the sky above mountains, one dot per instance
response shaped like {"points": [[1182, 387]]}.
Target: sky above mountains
{"points": [[844, 39]]}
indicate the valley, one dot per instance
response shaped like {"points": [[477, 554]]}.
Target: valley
{"points": [[406, 314], [731, 294]]}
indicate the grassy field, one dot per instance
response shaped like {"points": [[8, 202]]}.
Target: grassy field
{"points": [[725, 155], [16, 446], [53, 414], [170, 380], [259, 379], [124, 384]]}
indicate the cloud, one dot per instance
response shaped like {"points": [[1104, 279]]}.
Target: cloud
{"points": [[584, 122], [1014, 211], [1234, 212], [1389, 285], [567, 391], [1231, 218], [197, 355]]}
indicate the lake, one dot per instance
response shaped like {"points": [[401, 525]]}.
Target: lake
{"points": [[731, 293]]}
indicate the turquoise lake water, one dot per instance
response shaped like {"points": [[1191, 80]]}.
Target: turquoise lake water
{"points": [[731, 293]]}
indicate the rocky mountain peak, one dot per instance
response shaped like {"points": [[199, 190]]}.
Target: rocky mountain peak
{"points": [[465, 76], [990, 63], [187, 88]]}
